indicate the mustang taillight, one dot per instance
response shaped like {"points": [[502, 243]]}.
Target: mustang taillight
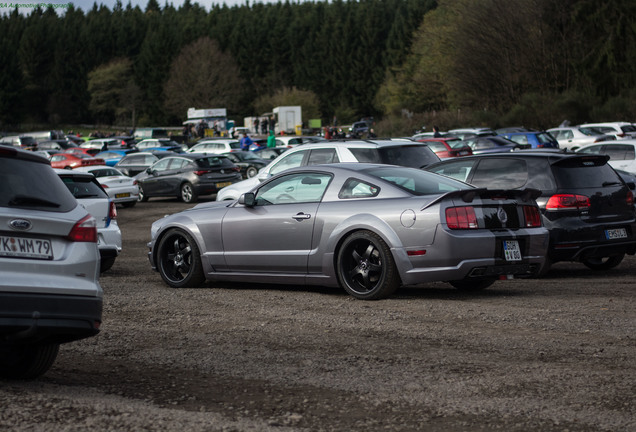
{"points": [[568, 202], [461, 218], [532, 215], [84, 231]]}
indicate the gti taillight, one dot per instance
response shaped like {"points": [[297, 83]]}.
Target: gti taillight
{"points": [[532, 216], [568, 202], [84, 231], [201, 172], [461, 218]]}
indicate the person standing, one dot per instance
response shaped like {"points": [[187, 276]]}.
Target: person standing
{"points": [[271, 139], [246, 142]]}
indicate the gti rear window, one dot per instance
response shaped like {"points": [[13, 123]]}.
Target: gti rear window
{"points": [[32, 185], [584, 176]]}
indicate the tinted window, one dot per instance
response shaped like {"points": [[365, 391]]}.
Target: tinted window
{"points": [[415, 156], [415, 181], [459, 170], [322, 156], [84, 187], [105, 172], [578, 173], [500, 173], [32, 185], [214, 161], [619, 152]]}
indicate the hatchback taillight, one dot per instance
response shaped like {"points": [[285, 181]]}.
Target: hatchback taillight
{"points": [[568, 202], [461, 218], [630, 198], [532, 215], [84, 231], [201, 172], [112, 213]]}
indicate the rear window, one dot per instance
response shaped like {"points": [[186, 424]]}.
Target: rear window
{"points": [[415, 156], [577, 173], [500, 173], [416, 182], [213, 162], [32, 185], [84, 187]]}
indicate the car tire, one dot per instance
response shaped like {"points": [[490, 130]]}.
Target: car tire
{"points": [[365, 267], [25, 362], [105, 264], [251, 172], [142, 195], [188, 194], [604, 263], [472, 284], [179, 260]]}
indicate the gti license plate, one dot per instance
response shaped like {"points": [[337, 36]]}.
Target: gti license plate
{"points": [[222, 185], [122, 195], [511, 250], [20, 247], [617, 233]]}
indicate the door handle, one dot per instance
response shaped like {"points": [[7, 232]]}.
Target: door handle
{"points": [[301, 216]]}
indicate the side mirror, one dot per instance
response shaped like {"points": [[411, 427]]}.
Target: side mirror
{"points": [[248, 199]]}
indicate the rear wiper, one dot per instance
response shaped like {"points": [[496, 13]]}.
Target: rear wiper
{"points": [[609, 183], [23, 200]]}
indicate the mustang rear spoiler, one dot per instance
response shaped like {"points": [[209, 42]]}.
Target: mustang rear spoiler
{"points": [[468, 195]]}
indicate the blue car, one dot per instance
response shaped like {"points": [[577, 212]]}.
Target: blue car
{"points": [[535, 139], [111, 157]]}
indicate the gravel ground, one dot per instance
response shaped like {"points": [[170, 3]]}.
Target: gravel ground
{"points": [[551, 354]]}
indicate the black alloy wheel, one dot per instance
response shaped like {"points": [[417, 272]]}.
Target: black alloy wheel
{"points": [[365, 267], [179, 260]]}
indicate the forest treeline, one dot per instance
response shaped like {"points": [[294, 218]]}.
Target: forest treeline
{"points": [[408, 62]]}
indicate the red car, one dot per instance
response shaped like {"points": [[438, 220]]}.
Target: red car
{"points": [[74, 160], [447, 147], [82, 150]]}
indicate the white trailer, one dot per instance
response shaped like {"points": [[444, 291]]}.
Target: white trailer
{"points": [[288, 119]]}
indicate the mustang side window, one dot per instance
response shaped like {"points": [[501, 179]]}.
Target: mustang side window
{"points": [[294, 188], [354, 188]]}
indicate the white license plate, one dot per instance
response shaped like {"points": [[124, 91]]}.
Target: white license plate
{"points": [[122, 195], [511, 250], [22, 247], [617, 233]]}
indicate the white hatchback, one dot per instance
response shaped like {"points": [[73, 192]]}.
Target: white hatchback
{"points": [[90, 194], [120, 188]]}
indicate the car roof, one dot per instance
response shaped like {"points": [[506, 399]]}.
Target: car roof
{"points": [[379, 143], [557, 154], [73, 173]]}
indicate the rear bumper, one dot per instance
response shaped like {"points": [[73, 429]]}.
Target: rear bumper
{"points": [[48, 318]]}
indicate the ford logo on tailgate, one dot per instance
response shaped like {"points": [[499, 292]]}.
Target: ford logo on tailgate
{"points": [[20, 224]]}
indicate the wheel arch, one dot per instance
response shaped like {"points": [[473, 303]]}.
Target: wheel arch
{"points": [[184, 224], [366, 222]]}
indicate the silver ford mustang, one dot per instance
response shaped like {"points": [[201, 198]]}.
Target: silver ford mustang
{"points": [[367, 228]]}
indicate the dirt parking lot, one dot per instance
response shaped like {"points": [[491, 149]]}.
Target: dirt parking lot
{"points": [[551, 354]]}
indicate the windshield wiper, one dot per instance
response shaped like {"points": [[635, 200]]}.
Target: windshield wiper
{"points": [[24, 200]]}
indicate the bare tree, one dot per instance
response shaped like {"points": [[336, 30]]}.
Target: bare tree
{"points": [[202, 76]]}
